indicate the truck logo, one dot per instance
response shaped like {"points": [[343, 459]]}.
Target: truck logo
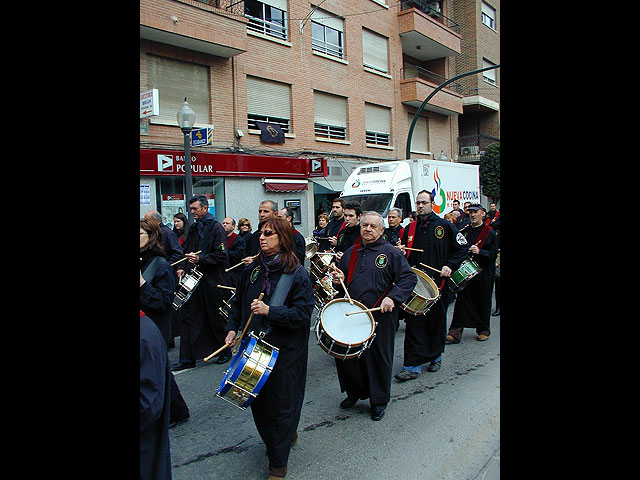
{"points": [[438, 207], [355, 184]]}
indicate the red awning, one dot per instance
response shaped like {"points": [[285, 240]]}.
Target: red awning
{"points": [[280, 185]]}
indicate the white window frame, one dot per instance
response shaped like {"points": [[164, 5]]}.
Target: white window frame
{"points": [[488, 15], [489, 76], [264, 26]]}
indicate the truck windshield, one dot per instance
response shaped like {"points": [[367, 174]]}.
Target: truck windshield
{"points": [[380, 202]]}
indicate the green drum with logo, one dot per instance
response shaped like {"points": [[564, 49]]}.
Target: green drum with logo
{"points": [[467, 270]]}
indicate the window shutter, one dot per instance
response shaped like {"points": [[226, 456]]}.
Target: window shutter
{"points": [[328, 20], [374, 50], [376, 118], [330, 109], [279, 4], [175, 80], [420, 136], [268, 98]]}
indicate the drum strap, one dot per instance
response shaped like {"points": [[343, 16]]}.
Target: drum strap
{"points": [[280, 294], [353, 259], [151, 269], [483, 235], [412, 236]]}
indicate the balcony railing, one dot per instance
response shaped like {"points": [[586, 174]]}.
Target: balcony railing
{"points": [[426, 7], [473, 146], [414, 71]]}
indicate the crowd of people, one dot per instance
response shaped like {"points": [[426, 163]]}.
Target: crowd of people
{"points": [[273, 296]]}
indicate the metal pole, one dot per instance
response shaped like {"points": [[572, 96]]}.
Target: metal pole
{"points": [[443, 84], [188, 182]]}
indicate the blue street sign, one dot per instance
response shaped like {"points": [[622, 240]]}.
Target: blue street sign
{"points": [[201, 136]]}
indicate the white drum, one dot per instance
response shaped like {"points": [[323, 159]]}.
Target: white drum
{"points": [[343, 336]]}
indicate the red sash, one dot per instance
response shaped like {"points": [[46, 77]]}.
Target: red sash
{"points": [[483, 235], [352, 260], [341, 227], [142, 314], [411, 237]]}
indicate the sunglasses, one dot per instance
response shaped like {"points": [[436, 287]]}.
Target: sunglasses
{"points": [[268, 233]]}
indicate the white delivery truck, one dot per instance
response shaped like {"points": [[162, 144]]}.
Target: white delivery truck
{"points": [[380, 186]]}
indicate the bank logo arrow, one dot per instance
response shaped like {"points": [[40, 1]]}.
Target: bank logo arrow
{"points": [[165, 163]]}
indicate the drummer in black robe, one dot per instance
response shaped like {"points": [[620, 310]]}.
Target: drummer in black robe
{"points": [[444, 248], [376, 274], [473, 305], [284, 313], [350, 234], [203, 326]]}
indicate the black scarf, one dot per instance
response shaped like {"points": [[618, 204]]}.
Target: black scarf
{"points": [[272, 264], [204, 232]]}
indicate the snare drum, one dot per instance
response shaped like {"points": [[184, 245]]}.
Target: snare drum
{"points": [[319, 264], [323, 291], [248, 372], [425, 294], [187, 285], [467, 270], [310, 247], [344, 336]]}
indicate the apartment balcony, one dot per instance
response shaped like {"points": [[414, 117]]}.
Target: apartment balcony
{"points": [[212, 27], [472, 147], [426, 33], [418, 83]]}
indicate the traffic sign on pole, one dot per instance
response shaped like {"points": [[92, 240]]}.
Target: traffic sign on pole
{"points": [[149, 103]]}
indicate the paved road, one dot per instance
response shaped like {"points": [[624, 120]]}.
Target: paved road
{"points": [[440, 426]]}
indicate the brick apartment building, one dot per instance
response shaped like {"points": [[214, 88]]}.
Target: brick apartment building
{"points": [[341, 79]]}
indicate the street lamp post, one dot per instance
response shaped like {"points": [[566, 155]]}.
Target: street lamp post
{"points": [[186, 118]]}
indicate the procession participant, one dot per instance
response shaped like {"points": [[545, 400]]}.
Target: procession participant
{"points": [[236, 248], [202, 329], [336, 223], [394, 218], [350, 234], [473, 306], [298, 239], [285, 314], [172, 248], [377, 274], [443, 248], [266, 209]]}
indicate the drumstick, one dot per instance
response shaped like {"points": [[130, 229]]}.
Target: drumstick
{"points": [[364, 311], [439, 271], [241, 263], [333, 265], [245, 327], [183, 259], [414, 249], [228, 288], [215, 353]]}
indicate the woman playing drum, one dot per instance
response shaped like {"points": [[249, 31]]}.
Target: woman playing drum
{"points": [[276, 410]]}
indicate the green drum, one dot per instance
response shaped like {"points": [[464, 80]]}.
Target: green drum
{"points": [[467, 270]]}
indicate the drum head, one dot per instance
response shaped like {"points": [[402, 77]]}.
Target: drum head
{"points": [[425, 287], [349, 330]]}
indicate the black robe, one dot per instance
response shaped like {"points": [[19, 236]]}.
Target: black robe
{"points": [[425, 335], [347, 237], [380, 270], [156, 295], [473, 303], [276, 410], [155, 387], [202, 329], [331, 230]]}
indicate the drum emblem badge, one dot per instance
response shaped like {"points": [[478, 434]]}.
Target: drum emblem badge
{"points": [[381, 260]]}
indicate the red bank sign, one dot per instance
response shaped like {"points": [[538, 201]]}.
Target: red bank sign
{"points": [[171, 162]]}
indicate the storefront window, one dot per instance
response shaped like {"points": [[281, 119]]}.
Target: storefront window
{"points": [[170, 196]]}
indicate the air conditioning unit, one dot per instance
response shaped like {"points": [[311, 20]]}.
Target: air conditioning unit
{"points": [[470, 150]]}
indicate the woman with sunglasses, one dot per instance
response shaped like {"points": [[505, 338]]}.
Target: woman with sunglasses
{"points": [[276, 410], [244, 228]]}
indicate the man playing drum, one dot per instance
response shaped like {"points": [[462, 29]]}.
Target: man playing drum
{"points": [[376, 274], [473, 306], [443, 248]]}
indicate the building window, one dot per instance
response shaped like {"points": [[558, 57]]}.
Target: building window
{"points": [[327, 33], [268, 101], [488, 16], [420, 136], [489, 76], [268, 17], [377, 124], [175, 80], [374, 51], [330, 116]]}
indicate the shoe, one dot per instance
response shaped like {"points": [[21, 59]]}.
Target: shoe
{"points": [[404, 375], [182, 366], [378, 412], [277, 472], [348, 402], [496, 313], [295, 439], [434, 366], [482, 338], [224, 358], [176, 421], [449, 340]]}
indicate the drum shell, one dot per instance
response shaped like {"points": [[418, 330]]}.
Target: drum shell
{"points": [[186, 287], [334, 346], [467, 270], [417, 303]]}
